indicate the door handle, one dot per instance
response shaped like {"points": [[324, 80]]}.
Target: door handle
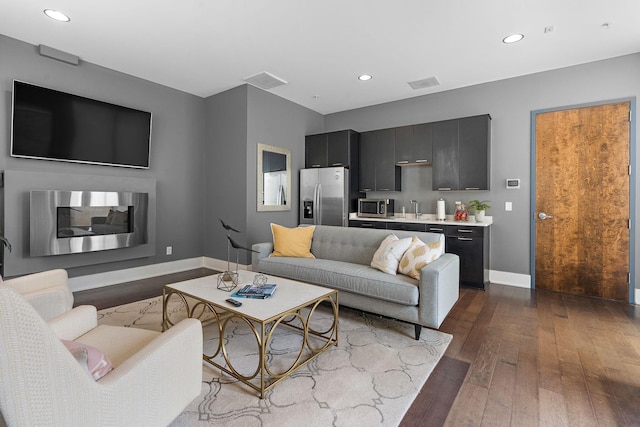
{"points": [[543, 215]]}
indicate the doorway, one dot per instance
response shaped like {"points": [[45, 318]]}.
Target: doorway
{"points": [[581, 200]]}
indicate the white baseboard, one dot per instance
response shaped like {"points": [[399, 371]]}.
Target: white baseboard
{"points": [[524, 281], [222, 265], [510, 279], [99, 280], [92, 281]]}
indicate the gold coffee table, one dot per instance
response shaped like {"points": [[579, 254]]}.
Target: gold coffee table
{"points": [[292, 306]]}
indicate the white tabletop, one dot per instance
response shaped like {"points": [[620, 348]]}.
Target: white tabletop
{"points": [[289, 295]]}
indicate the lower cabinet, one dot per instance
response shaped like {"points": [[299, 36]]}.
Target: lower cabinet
{"points": [[406, 226], [470, 243], [367, 224]]}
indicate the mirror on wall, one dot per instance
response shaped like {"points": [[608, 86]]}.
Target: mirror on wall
{"points": [[274, 178]]}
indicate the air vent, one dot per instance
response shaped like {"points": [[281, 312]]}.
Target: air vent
{"points": [[424, 83], [265, 80]]}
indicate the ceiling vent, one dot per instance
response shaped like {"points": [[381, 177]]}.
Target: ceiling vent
{"points": [[424, 83], [265, 80]]}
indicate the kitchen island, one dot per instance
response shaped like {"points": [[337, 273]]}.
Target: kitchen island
{"points": [[467, 239]]}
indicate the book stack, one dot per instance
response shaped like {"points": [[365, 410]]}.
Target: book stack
{"points": [[256, 291]]}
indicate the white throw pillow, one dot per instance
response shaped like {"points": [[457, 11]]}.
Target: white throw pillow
{"points": [[420, 254], [388, 255]]}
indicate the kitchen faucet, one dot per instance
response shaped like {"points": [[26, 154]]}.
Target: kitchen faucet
{"points": [[417, 205]]}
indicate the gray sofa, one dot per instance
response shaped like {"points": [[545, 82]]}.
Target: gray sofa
{"points": [[343, 257]]}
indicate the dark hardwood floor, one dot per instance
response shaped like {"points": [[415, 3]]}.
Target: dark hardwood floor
{"points": [[538, 357], [519, 357], [123, 293]]}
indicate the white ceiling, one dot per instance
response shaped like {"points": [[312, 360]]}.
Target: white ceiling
{"points": [[319, 47]]}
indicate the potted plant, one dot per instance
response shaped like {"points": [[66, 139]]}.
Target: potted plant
{"points": [[479, 207]]}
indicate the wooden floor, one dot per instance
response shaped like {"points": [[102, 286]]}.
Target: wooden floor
{"points": [[111, 296], [538, 357], [518, 357]]}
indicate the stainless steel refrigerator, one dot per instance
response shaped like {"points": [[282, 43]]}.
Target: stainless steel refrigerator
{"points": [[325, 198]]}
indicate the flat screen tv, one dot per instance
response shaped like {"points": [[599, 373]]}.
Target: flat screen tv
{"points": [[53, 125]]}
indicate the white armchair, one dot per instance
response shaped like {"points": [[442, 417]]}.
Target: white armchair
{"points": [[48, 292], [155, 376]]}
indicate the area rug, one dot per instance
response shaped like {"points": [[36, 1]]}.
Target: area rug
{"points": [[371, 378]]}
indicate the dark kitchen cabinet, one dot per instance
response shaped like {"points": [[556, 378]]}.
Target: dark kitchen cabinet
{"points": [[461, 153], [413, 144], [342, 148], [367, 161], [367, 224], [315, 151], [387, 173], [471, 244], [474, 136], [338, 148], [445, 155], [406, 226], [378, 171], [404, 144]]}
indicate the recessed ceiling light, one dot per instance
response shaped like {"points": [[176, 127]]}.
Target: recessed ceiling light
{"points": [[513, 38], [57, 15], [365, 77]]}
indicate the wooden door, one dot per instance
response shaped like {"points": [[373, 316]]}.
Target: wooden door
{"points": [[582, 184]]}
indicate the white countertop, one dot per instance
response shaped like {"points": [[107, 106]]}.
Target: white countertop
{"points": [[426, 219]]}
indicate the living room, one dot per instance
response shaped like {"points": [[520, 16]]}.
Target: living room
{"points": [[203, 157], [213, 138]]}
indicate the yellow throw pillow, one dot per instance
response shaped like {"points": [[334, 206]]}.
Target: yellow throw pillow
{"points": [[418, 255], [292, 242]]}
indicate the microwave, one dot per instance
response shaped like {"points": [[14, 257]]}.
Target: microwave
{"points": [[375, 208]]}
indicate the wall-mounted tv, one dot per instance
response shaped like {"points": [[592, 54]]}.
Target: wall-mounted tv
{"points": [[52, 125]]}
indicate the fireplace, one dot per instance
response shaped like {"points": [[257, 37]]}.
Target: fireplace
{"points": [[67, 222]]}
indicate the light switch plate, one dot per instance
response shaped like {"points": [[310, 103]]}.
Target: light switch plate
{"points": [[508, 206]]}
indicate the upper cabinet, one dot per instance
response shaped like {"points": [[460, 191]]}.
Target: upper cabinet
{"points": [[461, 153], [458, 150], [378, 170], [332, 149], [315, 151], [414, 144], [474, 141]]}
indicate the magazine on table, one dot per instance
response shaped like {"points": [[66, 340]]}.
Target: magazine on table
{"points": [[256, 291]]}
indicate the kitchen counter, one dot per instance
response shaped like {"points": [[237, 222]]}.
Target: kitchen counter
{"points": [[425, 219]]}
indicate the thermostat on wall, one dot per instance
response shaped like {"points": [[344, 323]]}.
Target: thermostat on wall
{"points": [[513, 183]]}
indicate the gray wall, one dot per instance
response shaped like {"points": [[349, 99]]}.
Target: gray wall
{"points": [[176, 146], [275, 121], [238, 120], [225, 158], [510, 103]]}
